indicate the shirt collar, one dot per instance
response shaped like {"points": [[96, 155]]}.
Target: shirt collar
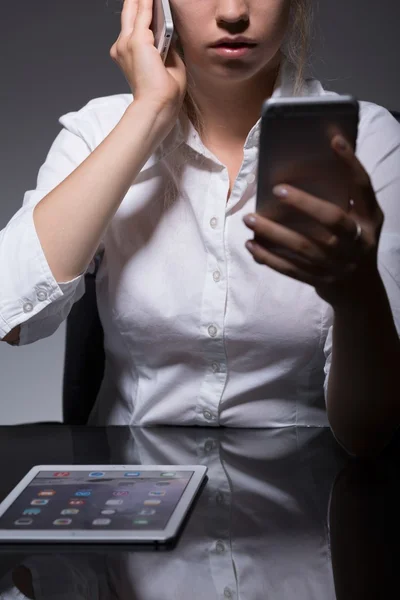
{"points": [[184, 132]]}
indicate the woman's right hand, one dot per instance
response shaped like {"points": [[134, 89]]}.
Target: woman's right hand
{"points": [[151, 81]]}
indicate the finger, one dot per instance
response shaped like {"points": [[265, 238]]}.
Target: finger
{"points": [[128, 16], [144, 15], [361, 190], [270, 233], [332, 217], [284, 266]]}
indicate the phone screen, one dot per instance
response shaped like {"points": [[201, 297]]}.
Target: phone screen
{"points": [[119, 500]]}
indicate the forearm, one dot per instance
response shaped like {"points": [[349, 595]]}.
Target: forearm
{"points": [[363, 400], [71, 220]]}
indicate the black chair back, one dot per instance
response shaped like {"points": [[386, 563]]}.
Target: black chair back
{"points": [[84, 358], [84, 354]]}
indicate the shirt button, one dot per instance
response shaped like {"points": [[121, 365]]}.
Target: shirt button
{"points": [[209, 445], [215, 367], [42, 295], [213, 222], [216, 275], [28, 307], [220, 547], [207, 415], [212, 331], [250, 178], [219, 498], [227, 593]]}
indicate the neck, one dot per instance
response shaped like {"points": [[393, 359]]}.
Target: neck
{"points": [[230, 109]]}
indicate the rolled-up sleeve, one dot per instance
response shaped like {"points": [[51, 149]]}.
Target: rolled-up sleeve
{"points": [[379, 152], [30, 296]]}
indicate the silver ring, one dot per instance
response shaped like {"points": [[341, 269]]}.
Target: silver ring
{"points": [[358, 232]]}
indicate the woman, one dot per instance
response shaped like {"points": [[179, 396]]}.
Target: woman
{"points": [[199, 328]]}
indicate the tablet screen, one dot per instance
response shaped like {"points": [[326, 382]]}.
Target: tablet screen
{"points": [[96, 500]]}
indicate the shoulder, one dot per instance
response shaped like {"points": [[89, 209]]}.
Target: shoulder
{"points": [[378, 143], [378, 129], [371, 114], [377, 120], [97, 118]]}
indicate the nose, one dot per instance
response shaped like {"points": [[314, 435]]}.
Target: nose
{"points": [[231, 11]]}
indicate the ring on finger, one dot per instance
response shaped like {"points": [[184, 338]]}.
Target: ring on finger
{"points": [[358, 232]]}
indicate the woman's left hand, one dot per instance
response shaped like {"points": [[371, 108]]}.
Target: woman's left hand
{"points": [[340, 262]]}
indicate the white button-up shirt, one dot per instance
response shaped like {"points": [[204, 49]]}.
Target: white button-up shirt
{"points": [[195, 331]]}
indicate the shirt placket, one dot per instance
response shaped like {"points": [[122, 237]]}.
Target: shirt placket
{"points": [[214, 300], [220, 496]]}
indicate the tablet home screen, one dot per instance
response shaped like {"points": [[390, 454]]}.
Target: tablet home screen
{"points": [[97, 500]]}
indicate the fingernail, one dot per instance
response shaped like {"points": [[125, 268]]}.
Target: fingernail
{"points": [[249, 245], [341, 143], [280, 190], [250, 219]]}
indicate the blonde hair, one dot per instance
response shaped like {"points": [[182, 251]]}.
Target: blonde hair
{"points": [[295, 49]]}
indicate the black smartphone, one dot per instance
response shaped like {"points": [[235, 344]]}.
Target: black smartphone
{"points": [[294, 148]]}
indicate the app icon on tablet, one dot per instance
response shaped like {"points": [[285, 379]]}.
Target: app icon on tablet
{"points": [[152, 502], [96, 474], [76, 502], [120, 493], [108, 511], [61, 474], [83, 493], [37, 502], [168, 474], [101, 522], [62, 522], [70, 511], [32, 511], [114, 502], [46, 493], [157, 493], [147, 511], [132, 474], [23, 522], [162, 483], [140, 522]]}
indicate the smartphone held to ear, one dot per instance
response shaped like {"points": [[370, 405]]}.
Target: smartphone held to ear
{"points": [[295, 148], [162, 27]]}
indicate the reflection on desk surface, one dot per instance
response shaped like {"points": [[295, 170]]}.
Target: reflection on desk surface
{"points": [[285, 515]]}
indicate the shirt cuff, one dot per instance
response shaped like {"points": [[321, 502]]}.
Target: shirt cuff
{"points": [[28, 285]]}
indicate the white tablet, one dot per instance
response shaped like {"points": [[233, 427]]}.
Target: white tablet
{"points": [[100, 503]]}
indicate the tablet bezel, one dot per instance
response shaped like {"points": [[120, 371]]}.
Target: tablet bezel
{"points": [[110, 535]]}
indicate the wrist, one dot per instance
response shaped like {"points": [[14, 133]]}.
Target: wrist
{"points": [[154, 113], [360, 297], [146, 123]]}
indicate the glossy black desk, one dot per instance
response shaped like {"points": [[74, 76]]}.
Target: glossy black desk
{"points": [[285, 514]]}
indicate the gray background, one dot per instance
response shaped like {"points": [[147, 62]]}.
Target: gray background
{"points": [[55, 57]]}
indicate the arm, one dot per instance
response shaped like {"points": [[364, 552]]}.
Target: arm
{"points": [[70, 220], [363, 399], [12, 337], [363, 389]]}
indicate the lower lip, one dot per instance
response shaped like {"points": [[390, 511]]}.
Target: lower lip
{"points": [[232, 52]]}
